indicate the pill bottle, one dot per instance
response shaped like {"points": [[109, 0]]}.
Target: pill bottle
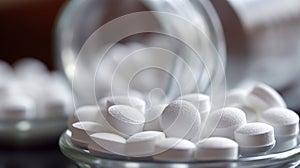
{"points": [[156, 49]]}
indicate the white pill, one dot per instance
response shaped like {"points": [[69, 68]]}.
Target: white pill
{"points": [[81, 132], [286, 127], [107, 143], [152, 117], [125, 120], [216, 148], [251, 114], [223, 122], [255, 138], [17, 107], [284, 121], [30, 66], [181, 119], [236, 96], [134, 102], [174, 149], [261, 97], [200, 101], [142, 144]]}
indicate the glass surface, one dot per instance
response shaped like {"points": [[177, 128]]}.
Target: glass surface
{"points": [[24, 133], [83, 158]]}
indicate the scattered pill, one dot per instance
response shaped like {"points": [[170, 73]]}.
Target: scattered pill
{"points": [[81, 132], [216, 148], [152, 117], [125, 119], [286, 127], [174, 149], [201, 102], [261, 97], [107, 143], [17, 107], [255, 138], [236, 97], [142, 144], [180, 119], [223, 122], [284, 121], [134, 102]]}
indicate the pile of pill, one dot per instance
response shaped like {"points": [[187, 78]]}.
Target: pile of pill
{"points": [[29, 91], [254, 121]]}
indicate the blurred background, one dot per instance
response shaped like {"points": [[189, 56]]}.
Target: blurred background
{"points": [[27, 30]]}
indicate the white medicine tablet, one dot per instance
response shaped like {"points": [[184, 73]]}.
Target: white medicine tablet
{"points": [[174, 149], [152, 117], [134, 102], [251, 114], [223, 122], [200, 101], [236, 96], [81, 132], [180, 119], [284, 121], [125, 120], [142, 144], [255, 138], [107, 143], [261, 97], [216, 148]]}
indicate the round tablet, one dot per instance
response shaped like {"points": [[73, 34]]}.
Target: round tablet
{"points": [[180, 119], [223, 122], [262, 97], [251, 114], [134, 102], [216, 148], [284, 121], [200, 101], [254, 138], [81, 132], [236, 96], [152, 117], [125, 119], [142, 144], [174, 149], [107, 143]]}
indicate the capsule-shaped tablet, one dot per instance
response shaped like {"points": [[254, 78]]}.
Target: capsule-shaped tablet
{"points": [[262, 97], [200, 101], [255, 138], [216, 148], [152, 117], [174, 149], [125, 120], [223, 122], [81, 132], [142, 144], [103, 144], [286, 127], [180, 119]]}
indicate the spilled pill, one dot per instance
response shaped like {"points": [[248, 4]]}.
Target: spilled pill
{"points": [[152, 117], [200, 101], [216, 148], [261, 97], [81, 132], [125, 120], [223, 122], [142, 144], [107, 143], [180, 119], [174, 149], [255, 138], [286, 127]]}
